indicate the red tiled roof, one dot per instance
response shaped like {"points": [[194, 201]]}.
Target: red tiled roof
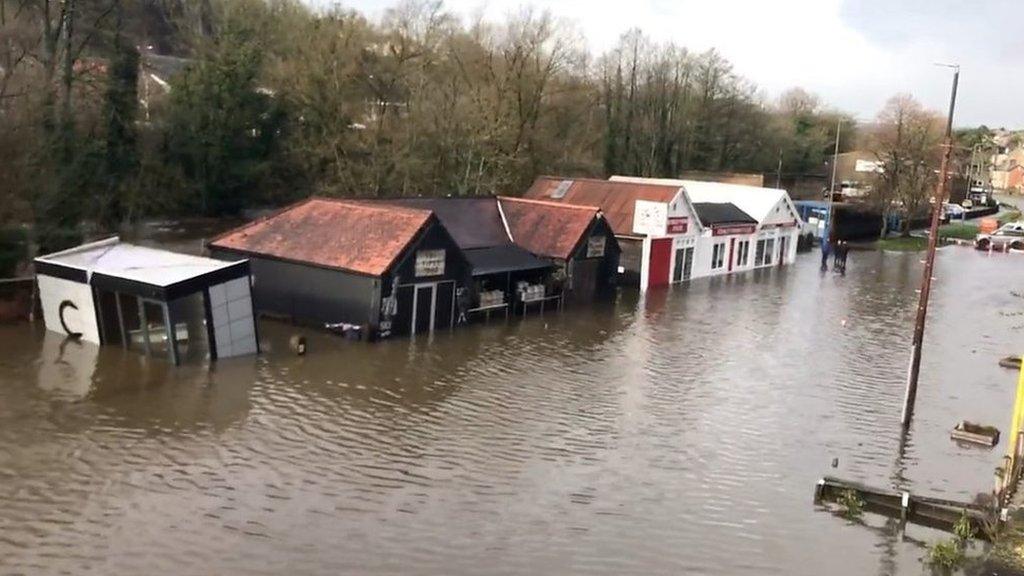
{"points": [[547, 228], [356, 236], [616, 199]]}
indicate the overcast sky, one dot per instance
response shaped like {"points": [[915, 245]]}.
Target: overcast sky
{"points": [[853, 53]]}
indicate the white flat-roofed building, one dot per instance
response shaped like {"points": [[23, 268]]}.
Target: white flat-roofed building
{"points": [[158, 302]]}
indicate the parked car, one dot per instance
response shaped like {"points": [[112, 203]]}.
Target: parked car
{"points": [[954, 212], [1009, 235]]}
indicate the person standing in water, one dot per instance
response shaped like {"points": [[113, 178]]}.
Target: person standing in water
{"points": [[826, 248]]}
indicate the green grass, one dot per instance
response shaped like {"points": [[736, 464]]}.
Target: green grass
{"points": [[901, 244], [1009, 217], [961, 231]]}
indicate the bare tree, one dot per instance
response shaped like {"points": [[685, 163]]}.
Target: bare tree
{"points": [[906, 142]]}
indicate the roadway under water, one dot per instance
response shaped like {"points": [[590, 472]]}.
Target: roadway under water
{"points": [[681, 433]]}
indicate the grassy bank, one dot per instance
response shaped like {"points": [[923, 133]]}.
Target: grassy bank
{"points": [[961, 231], [902, 244], [1012, 216]]}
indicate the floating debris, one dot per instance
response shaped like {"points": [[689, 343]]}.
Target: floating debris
{"points": [[975, 433], [1010, 362]]}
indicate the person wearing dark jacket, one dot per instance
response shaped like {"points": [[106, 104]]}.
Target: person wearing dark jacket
{"points": [[841, 252]]}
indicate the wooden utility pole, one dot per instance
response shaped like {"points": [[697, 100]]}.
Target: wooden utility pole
{"points": [[929, 263]]}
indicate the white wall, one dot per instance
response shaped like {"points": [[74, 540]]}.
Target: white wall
{"points": [[705, 251], [234, 327], [53, 291]]}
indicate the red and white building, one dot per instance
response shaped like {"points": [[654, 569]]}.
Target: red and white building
{"points": [[773, 239], [672, 231], [655, 224]]}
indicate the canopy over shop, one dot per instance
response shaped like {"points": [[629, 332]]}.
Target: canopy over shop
{"points": [[157, 302], [377, 268], [505, 276]]}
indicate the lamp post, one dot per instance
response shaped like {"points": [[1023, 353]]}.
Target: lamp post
{"points": [[929, 264], [832, 185]]}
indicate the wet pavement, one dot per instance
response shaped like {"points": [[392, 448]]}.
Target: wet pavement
{"points": [[678, 433]]}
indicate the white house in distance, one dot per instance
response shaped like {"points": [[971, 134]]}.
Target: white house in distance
{"points": [[159, 303], [777, 226]]}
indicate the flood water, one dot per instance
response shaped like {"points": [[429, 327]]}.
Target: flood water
{"points": [[679, 433]]}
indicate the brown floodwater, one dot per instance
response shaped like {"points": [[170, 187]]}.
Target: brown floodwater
{"points": [[678, 433]]}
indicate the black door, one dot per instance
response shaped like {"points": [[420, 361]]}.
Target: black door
{"points": [[401, 324], [445, 300], [424, 308], [677, 272]]}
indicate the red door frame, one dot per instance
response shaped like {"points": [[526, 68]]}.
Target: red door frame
{"points": [[659, 262]]}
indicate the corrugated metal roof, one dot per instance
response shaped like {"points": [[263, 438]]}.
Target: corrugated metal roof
{"points": [[500, 259], [550, 229], [617, 200], [472, 222], [711, 213], [360, 237]]}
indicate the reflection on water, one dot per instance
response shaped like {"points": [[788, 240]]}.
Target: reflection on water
{"points": [[677, 432]]}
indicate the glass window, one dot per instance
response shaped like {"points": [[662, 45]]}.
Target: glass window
{"points": [[742, 252], [769, 248], [759, 253], [718, 256], [188, 316]]}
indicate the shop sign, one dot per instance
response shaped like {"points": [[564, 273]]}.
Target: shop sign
{"points": [[733, 230], [429, 263], [595, 246], [678, 224]]}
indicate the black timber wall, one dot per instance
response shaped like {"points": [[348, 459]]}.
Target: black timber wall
{"points": [[609, 267], [434, 237], [309, 294]]}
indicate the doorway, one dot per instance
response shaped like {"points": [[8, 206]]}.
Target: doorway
{"points": [[423, 308], [658, 262], [782, 251], [684, 264]]}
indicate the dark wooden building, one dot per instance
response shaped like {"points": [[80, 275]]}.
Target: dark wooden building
{"points": [[392, 270], [577, 239], [502, 271]]}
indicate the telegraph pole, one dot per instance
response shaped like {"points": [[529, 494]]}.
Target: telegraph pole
{"points": [[929, 264]]}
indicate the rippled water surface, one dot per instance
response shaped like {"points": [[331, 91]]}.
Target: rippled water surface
{"points": [[680, 433]]}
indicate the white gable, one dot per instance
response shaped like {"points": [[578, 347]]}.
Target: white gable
{"points": [[766, 205]]}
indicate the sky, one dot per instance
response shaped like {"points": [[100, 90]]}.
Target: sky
{"points": [[854, 54]]}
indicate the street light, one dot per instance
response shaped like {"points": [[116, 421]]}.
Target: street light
{"points": [[832, 186]]}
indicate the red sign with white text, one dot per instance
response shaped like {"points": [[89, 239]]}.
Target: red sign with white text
{"points": [[677, 225]]}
